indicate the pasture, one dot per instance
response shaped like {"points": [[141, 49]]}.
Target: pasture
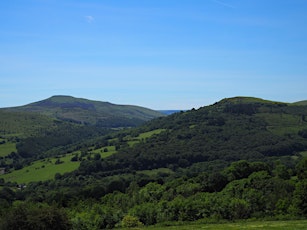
{"points": [[132, 141], [41, 170], [7, 148], [46, 169], [240, 225]]}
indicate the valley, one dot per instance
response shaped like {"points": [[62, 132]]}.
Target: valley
{"points": [[237, 160]]}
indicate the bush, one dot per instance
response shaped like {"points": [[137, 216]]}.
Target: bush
{"points": [[31, 216], [130, 222]]}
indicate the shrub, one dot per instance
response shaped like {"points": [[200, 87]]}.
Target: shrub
{"points": [[130, 222]]}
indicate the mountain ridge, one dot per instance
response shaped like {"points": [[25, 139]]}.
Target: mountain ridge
{"points": [[90, 112]]}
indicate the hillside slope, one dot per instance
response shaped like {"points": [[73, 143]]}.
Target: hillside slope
{"points": [[239, 158], [300, 103], [83, 111], [230, 130], [24, 124]]}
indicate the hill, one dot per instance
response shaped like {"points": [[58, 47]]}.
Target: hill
{"points": [[60, 124], [23, 124], [300, 103], [230, 130], [239, 158], [88, 112], [169, 112]]}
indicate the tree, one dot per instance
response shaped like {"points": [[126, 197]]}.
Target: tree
{"points": [[74, 158], [239, 209], [238, 170], [58, 161], [300, 196], [152, 192], [7, 194], [301, 169], [146, 212], [97, 157], [29, 216], [282, 172], [130, 222]]}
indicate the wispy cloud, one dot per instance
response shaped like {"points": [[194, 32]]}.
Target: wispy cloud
{"points": [[89, 18], [224, 4]]}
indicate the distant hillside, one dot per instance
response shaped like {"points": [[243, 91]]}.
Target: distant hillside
{"points": [[169, 112], [83, 111], [229, 130], [59, 123], [24, 124], [29, 135], [300, 103], [240, 158]]}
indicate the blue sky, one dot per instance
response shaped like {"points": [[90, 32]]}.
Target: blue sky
{"points": [[161, 54]]}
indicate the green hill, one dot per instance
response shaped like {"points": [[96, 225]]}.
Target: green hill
{"points": [[83, 111], [300, 103], [240, 158], [230, 130], [58, 125], [24, 124]]}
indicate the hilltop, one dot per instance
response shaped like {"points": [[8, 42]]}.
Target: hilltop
{"points": [[89, 112], [59, 124]]}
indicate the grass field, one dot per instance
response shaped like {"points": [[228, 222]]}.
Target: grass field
{"points": [[46, 169], [7, 148], [143, 136], [253, 225], [41, 170], [284, 124], [153, 172], [150, 133], [111, 151]]}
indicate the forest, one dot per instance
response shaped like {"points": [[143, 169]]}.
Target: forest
{"points": [[238, 159]]}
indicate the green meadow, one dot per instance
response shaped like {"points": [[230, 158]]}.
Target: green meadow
{"points": [[7, 148], [46, 169], [41, 170], [150, 133], [155, 172], [281, 124], [110, 151], [143, 136], [245, 225]]}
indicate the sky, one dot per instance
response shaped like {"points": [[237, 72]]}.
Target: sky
{"points": [[160, 54]]}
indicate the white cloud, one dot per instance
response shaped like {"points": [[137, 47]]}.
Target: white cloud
{"points": [[224, 4], [89, 19]]}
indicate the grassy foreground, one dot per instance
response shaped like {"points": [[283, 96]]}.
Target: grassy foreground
{"points": [[267, 225]]}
